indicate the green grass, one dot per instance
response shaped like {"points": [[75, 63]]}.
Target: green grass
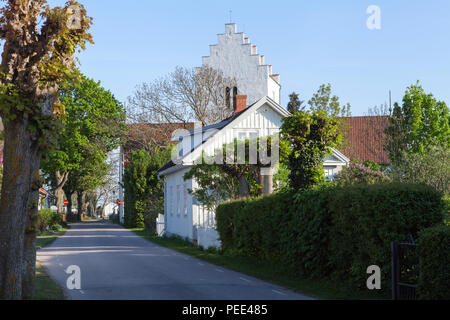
{"points": [[47, 238], [45, 287], [264, 270]]}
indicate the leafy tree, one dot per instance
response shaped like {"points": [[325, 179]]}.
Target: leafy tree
{"points": [[38, 55], [295, 105], [234, 176], [421, 121], [323, 100], [310, 137], [431, 167], [144, 191], [94, 125]]}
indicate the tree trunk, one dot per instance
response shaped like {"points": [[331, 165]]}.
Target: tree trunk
{"points": [[69, 205], [21, 157], [61, 180], [31, 230], [244, 188], [81, 203]]}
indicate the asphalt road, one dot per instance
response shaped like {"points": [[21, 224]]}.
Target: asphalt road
{"points": [[117, 264]]}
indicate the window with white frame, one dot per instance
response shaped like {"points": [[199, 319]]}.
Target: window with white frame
{"points": [[185, 196], [178, 201], [248, 135], [330, 172], [171, 200]]}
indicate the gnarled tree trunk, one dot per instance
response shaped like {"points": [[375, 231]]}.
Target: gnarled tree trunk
{"points": [[21, 158]]}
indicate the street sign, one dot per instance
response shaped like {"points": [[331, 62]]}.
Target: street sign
{"points": [[66, 202]]}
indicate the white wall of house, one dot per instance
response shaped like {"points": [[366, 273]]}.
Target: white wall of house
{"points": [[178, 205]]}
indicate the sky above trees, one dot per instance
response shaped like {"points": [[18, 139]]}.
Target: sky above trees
{"points": [[308, 42]]}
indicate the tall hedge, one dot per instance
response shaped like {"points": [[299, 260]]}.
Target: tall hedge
{"points": [[434, 253], [332, 232], [367, 218]]}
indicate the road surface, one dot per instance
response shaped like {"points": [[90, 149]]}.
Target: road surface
{"points": [[117, 264]]}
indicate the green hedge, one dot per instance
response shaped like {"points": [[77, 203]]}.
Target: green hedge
{"points": [[434, 252], [48, 220], [332, 232], [367, 218]]}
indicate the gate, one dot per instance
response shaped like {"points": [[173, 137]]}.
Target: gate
{"points": [[405, 270]]}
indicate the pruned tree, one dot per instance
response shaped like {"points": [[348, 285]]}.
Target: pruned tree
{"points": [[38, 54], [185, 95]]}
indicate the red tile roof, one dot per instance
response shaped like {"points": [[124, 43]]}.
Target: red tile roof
{"points": [[366, 138]]}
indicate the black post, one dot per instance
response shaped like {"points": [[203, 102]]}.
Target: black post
{"points": [[394, 258]]}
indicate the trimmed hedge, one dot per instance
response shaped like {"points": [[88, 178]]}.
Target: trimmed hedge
{"points": [[367, 218], [434, 252], [330, 232]]}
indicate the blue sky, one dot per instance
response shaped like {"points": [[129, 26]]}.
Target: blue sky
{"points": [[307, 42]]}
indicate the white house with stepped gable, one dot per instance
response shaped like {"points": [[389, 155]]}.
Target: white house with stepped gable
{"points": [[257, 113]]}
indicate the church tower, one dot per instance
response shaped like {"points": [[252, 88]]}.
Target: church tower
{"points": [[237, 58]]}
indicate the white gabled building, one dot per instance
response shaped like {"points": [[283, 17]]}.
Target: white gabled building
{"points": [[258, 113]]}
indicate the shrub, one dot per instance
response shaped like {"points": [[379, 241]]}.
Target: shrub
{"points": [[358, 173], [434, 252], [330, 231], [367, 218], [306, 235], [48, 220]]}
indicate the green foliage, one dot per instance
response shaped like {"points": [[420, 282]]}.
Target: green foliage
{"points": [[48, 220], [329, 232], [431, 168], [322, 100], [367, 218], [94, 125], [434, 244], [295, 105], [233, 175], [357, 173], [310, 137], [421, 121], [144, 192], [214, 186]]}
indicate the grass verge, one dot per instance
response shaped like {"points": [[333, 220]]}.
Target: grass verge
{"points": [[45, 287], [47, 238], [264, 270]]}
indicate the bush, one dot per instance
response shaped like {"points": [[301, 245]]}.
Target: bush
{"points": [[49, 220], [330, 231], [367, 218], [358, 173], [434, 252]]}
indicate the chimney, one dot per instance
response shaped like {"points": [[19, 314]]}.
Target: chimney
{"points": [[240, 103]]}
